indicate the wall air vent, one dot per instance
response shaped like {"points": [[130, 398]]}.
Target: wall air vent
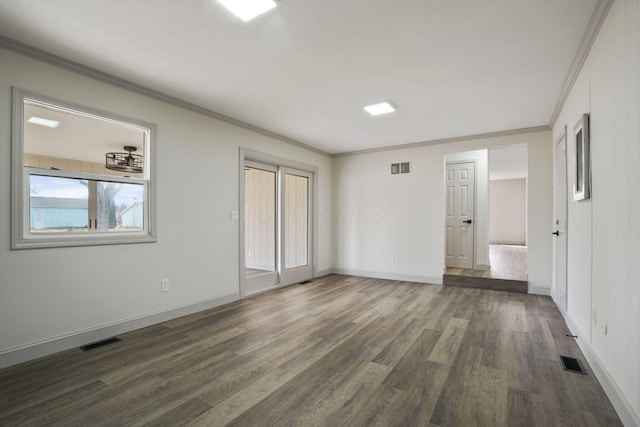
{"points": [[404, 167]]}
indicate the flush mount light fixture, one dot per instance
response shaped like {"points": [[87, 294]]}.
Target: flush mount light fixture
{"points": [[381, 108], [43, 122], [248, 9]]}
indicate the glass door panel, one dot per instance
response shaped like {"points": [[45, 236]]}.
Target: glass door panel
{"points": [[260, 233], [296, 230], [296, 221]]}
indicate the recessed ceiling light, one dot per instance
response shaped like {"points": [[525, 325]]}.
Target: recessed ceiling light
{"points": [[381, 108], [43, 122], [248, 9]]}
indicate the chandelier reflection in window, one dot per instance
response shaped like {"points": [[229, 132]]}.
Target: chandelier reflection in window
{"points": [[125, 162]]}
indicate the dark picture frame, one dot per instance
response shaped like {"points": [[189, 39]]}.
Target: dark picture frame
{"points": [[581, 160]]}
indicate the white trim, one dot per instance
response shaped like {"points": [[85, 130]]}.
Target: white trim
{"points": [[543, 128], [93, 73], [20, 236], [265, 267], [539, 290], [591, 33], [620, 403], [251, 293], [48, 346], [508, 243], [389, 276], [322, 273]]}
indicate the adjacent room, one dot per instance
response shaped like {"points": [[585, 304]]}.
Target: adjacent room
{"points": [[355, 213]]}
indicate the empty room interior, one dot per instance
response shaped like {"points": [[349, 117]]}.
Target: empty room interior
{"points": [[357, 212]]}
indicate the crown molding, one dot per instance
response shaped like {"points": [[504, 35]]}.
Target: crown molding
{"points": [[75, 67], [591, 33], [534, 129]]}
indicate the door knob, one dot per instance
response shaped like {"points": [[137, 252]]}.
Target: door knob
{"points": [[467, 221], [557, 233]]}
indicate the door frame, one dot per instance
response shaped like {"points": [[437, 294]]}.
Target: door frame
{"points": [[474, 264], [557, 292], [248, 155]]}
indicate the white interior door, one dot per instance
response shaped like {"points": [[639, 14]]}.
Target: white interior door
{"points": [[560, 221], [460, 204], [296, 237]]}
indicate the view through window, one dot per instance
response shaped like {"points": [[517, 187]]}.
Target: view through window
{"points": [[84, 174]]}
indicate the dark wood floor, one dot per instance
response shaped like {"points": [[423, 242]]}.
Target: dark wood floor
{"points": [[340, 351]]}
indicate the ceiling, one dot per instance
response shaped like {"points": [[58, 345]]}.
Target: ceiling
{"points": [[77, 137], [306, 69]]}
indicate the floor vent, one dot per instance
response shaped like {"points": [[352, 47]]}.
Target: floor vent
{"points": [[98, 344], [305, 282], [572, 364]]}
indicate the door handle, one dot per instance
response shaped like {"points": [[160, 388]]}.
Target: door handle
{"points": [[557, 233], [467, 221]]}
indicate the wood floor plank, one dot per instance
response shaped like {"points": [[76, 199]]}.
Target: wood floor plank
{"points": [[476, 395], [181, 415], [446, 348], [339, 351]]}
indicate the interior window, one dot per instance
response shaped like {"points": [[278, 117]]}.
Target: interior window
{"points": [[80, 176]]}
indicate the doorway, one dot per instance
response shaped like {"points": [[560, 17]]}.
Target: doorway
{"points": [[500, 206], [508, 251], [276, 229]]}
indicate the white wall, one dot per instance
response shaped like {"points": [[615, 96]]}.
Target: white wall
{"points": [[392, 226], [508, 211], [49, 296], [481, 216], [604, 231]]}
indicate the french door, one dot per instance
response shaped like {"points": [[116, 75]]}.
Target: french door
{"points": [[276, 247]]}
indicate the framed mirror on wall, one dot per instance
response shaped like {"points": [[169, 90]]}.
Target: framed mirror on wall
{"points": [[581, 182]]}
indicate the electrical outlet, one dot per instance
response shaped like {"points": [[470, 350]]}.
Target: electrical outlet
{"points": [[392, 259], [164, 285]]}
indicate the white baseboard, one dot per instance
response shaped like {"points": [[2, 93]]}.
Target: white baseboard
{"points": [[265, 267], [24, 353], [390, 276], [622, 406], [508, 243], [325, 272], [539, 290]]}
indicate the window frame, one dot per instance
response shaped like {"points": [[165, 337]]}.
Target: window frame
{"points": [[21, 237]]}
